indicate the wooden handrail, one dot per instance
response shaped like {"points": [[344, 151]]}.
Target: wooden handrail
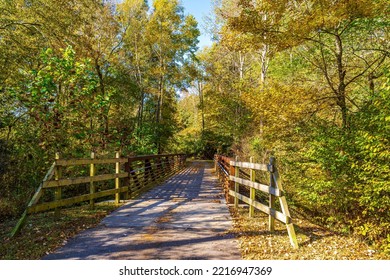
{"points": [[140, 174], [230, 172]]}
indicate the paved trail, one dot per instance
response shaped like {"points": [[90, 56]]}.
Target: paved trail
{"points": [[185, 218]]}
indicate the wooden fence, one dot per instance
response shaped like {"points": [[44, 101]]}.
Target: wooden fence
{"points": [[237, 177], [126, 176]]}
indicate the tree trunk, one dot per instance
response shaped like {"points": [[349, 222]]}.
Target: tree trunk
{"points": [[103, 113], [341, 89], [264, 64], [201, 101], [264, 58]]}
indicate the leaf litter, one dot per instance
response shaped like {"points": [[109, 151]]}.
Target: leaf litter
{"points": [[315, 242]]}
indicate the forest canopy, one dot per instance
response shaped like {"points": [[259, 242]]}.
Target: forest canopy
{"points": [[87, 76]]}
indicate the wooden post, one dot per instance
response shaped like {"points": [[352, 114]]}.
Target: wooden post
{"points": [[166, 166], [230, 185], [271, 197], [34, 200], [136, 180], [171, 163], [170, 158], [117, 183], [284, 207], [91, 184], [127, 179], [217, 167], [158, 165], [162, 167], [144, 177], [252, 192], [236, 185], [134, 183], [147, 172], [58, 191], [181, 161]]}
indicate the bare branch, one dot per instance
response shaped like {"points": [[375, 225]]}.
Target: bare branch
{"points": [[322, 44], [380, 60], [325, 71], [24, 24]]}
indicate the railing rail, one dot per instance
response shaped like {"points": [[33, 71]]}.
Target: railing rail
{"points": [[132, 176], [231, 174]]}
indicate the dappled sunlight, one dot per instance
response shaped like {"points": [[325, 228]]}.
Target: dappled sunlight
{"points": [[184, 218]]}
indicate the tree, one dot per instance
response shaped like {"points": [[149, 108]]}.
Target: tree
{"points": [[318, 110], [172, 38], [133, 17], [333, 29]]}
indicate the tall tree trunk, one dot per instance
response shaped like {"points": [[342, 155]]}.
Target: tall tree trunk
{"points": [[104, 114], [160, 100], [341, 89], [264, 63], [138, 75], [264, 58], [201, 102], [140, 112]]}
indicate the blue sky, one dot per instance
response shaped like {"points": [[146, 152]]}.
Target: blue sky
{"points": [[199, 9]]}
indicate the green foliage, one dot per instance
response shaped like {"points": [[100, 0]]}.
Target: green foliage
{"points": [[343, 175], [371, 164], [56, 96], [49, 105], [86, 76], [203, 145]]}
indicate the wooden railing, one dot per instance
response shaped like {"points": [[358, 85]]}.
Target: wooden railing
{"points": [[126, 176], [237, 177]]}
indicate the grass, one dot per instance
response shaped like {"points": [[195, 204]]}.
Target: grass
{"points": [[315, 242], [43, 233]]}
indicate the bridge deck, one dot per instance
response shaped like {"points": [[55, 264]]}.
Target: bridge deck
{"points": [[184, 218]]}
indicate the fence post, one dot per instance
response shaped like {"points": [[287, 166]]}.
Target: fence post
{"points": [[134, 182], [58, 190], [230, 184], [127, 179], [216, 159], [117, 182], [91, 184], [236, 185], [252, 192], [171, 163], [284, 207], [271, 170], [147, 171], [168, 160], [158, 169], [166, 165]]}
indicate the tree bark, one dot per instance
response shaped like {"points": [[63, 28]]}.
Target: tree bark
{"points": [[105, 125], [341, 89]]}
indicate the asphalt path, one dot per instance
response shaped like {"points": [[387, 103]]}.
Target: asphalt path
{"points": [[185, 218]]}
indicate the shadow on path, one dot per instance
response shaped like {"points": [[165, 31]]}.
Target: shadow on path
{"points": [[184, 218]]}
